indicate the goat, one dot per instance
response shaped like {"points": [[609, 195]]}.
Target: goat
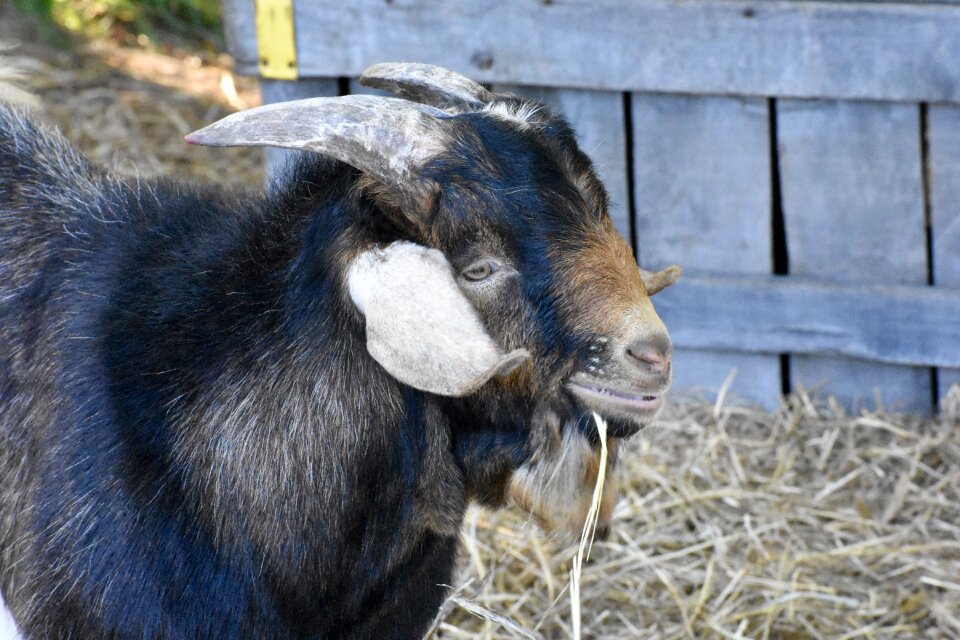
{"points": [[230, 413]]}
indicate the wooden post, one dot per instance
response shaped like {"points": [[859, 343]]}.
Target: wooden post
{"points": [[943, 135], [703, 200], [853, 207]]}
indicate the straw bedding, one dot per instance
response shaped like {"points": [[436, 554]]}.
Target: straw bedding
{"points": [[733, 522], [738, 523]]}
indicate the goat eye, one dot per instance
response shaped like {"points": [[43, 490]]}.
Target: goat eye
{"points": [[480, 270]]}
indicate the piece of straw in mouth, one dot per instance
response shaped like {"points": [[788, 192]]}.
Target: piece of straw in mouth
{"points": [[589, 529]]}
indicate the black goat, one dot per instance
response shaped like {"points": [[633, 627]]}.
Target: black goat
{"points": [[233, 414]]}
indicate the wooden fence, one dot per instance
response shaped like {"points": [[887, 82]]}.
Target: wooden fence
{"points": [[800, 159]]}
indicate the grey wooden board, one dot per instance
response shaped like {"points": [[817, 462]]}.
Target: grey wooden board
{"points": [[943, 134], [356, 87], [920, 3], [599, 120], [914, 2], [282, 91], [907, 325], [240, 33], [853, 208], [703, 372], [702, 197], [946, 379], [885, 51]]}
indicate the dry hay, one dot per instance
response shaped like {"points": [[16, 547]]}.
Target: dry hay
{"points": [[738, 523], [733, 522], [129, 109]]}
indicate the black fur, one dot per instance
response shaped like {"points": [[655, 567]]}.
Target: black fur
{"points": [[194, 442]]}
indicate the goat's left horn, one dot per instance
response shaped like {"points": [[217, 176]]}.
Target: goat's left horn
{"points": [[389, 138], [426, 83], [656, 282]]}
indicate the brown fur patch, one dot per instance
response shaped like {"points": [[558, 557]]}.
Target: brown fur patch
{"points": [[604, 281]]}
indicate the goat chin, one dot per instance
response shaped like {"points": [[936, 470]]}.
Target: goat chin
{"points": [[557, 490]]}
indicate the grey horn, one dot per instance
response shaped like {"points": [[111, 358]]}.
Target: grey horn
{"points": [[386, 137], [427, 84]]}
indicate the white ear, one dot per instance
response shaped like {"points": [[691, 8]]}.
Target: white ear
{"points": [[420, 327]]}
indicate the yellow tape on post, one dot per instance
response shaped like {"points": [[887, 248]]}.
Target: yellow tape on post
{"points": [[276, 43]]}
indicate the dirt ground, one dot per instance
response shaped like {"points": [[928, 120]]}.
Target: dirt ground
{"points": [[733, 522]]}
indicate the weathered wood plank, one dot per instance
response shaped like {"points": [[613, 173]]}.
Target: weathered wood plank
{"points": [[853, 208], [240, 33], [702, 373], [702, 182], [702, 196], [885, 51], [598, 119], [893, 324], [943, 134], [282, 91], [914, 2]]}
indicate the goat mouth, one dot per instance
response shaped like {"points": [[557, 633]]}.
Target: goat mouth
{"points": [[603, 398]]}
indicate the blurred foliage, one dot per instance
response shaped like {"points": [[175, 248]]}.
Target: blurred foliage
{"points": [[193, 24]]}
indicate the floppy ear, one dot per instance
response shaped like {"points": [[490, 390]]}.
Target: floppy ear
{"points": [[420, 326], [657, 282]]}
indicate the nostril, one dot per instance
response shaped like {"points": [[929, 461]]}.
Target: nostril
{"points": [[653, 354], [655, 361]]}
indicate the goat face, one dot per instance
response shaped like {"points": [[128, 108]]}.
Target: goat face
{"points": [[507, 290], [523, 221]]}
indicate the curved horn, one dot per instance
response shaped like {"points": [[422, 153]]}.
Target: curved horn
{"points": [[386, 137], [656, 282], [426, 83]]}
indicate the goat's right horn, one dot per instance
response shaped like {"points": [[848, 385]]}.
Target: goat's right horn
{"points": [[387, 137], [426, 83]]}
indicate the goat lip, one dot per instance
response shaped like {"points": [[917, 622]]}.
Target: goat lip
{"points": [[601, 397]]}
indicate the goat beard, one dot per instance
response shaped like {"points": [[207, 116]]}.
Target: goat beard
{"points": [[556, 487]]}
